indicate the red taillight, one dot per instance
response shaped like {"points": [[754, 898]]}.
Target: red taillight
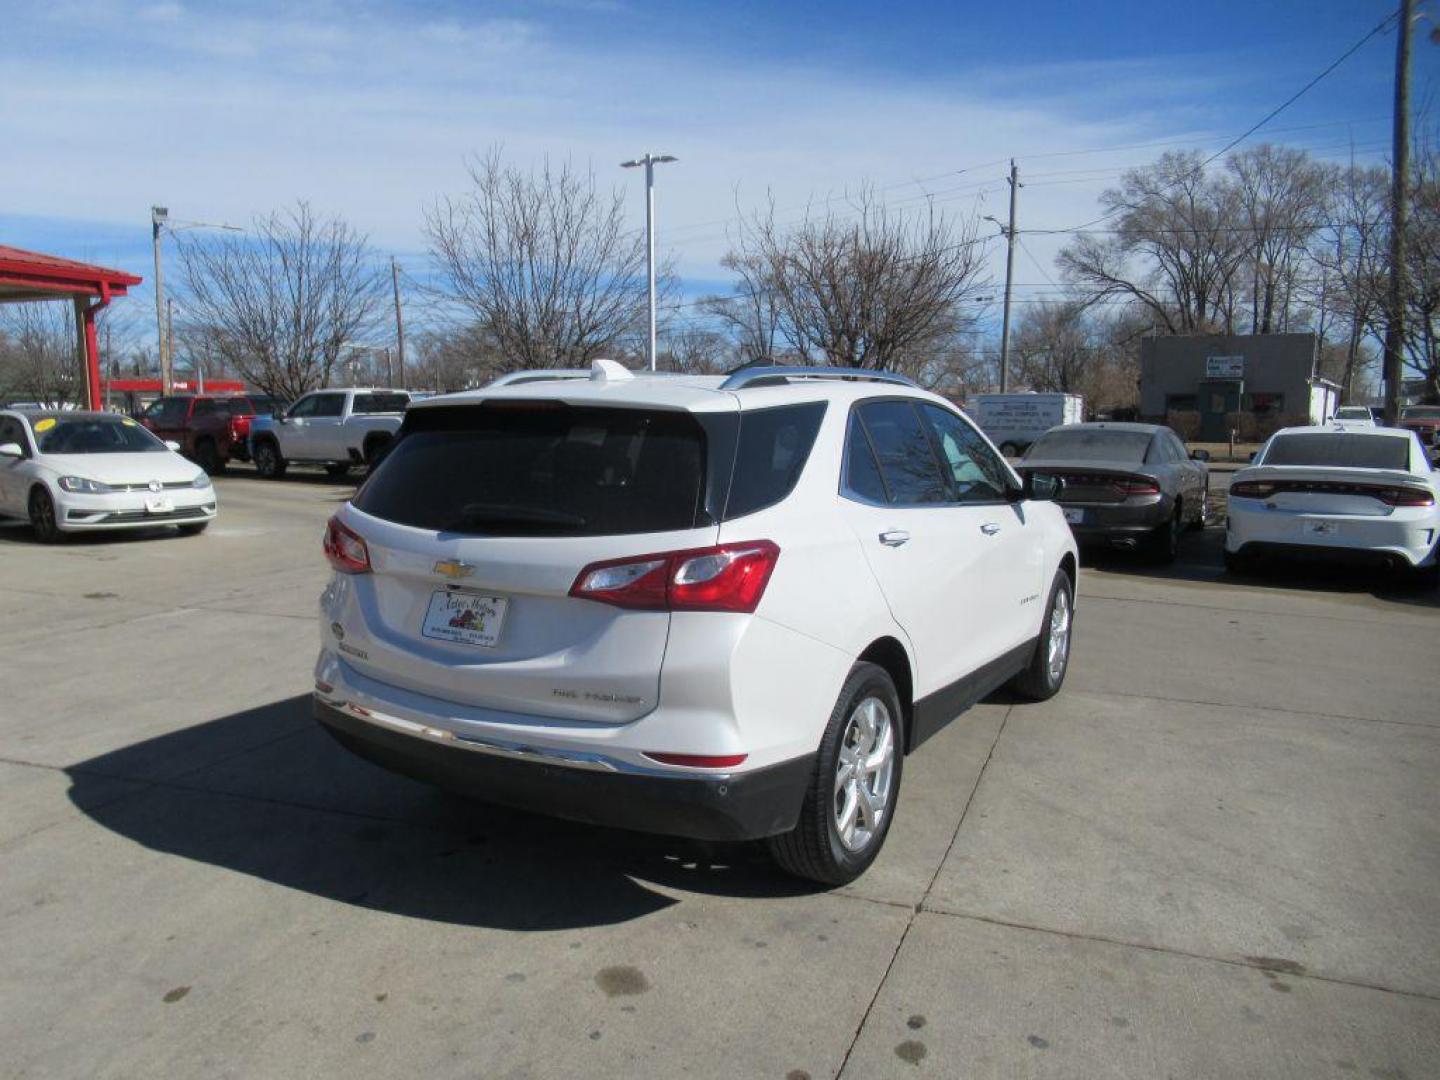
{"points": [[1405, 496], [728, 577], [697, 761], [1136, 485], [345, 549], [1252, 489]]}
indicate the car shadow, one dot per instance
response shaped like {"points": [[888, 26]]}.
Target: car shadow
{"points": [[1202, 559], [267, 793], [19, 533]]}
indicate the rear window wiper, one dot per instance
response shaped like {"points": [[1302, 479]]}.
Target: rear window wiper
{"points": [[481, 515]]}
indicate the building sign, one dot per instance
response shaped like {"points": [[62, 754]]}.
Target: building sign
{"points": [[1224, 367]]}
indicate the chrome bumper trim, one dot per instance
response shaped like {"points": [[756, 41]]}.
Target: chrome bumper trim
{"points": [[571, 759]]}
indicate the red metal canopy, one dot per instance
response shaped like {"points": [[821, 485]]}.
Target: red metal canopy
{"points": [[29, 275]]}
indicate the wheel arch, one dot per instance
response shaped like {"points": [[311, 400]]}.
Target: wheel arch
{"points": [[887, 652]]}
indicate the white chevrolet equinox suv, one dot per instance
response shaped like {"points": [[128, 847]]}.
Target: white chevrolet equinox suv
{"points": [[719, 608]]}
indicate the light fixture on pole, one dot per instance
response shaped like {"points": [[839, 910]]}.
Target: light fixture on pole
{"points": [[650, 161], [160, 220]]}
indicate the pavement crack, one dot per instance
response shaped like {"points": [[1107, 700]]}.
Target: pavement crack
{"points": [[919, 905], [1187, 954]]}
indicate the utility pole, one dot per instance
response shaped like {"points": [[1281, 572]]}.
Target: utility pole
{"points": [[1399, 193], [650, 161], [169, 341], [399, 324], [1009, 282], [158, 216]]}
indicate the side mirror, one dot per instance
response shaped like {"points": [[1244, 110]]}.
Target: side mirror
{"points": [[11, 449], [278, 412], [1043, 487], [170, 444], [1253, 455], [1199, 455]]}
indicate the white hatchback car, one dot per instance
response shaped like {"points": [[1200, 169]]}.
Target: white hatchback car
{"points": [[721, 608], [84, 471], [1366, 493]]}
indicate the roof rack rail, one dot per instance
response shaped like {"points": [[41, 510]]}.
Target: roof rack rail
{"points": [[779, 373], [514, 378]]}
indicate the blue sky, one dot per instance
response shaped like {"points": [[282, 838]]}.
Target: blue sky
{"points": [[368, 108]]}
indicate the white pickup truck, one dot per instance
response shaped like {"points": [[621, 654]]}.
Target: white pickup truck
{"points": [[334, 428]]}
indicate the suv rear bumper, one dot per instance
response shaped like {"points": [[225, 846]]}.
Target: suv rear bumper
{"points": [[745, 806]]}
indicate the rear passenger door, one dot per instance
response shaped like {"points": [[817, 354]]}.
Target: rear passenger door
{"points": [[943, 542]]}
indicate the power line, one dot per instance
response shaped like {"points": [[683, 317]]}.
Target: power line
{"points": [[1378, 28]]}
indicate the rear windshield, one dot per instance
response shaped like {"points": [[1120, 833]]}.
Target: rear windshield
{"points": [[1422, 412], [1340, 450], [1352, 414], [93, 435], [542, 469], [379, 403], [1091, 444]]}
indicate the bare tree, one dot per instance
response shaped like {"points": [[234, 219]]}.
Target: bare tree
{"points": [[1176, 246], [542, 261], [452, 358], [1422, 256], [278, 305], [862, 285], [39, 358], [751, 313], [695, 350], [1281, 196], [1351, 253], [1070, 347]]}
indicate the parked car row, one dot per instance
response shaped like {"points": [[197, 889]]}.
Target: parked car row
{"points": [[717, 607]]}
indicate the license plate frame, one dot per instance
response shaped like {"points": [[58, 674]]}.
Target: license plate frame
{"points": [[159, 504], [445, 618]]}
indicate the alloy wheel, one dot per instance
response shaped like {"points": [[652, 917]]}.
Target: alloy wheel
{"points": [[864, 774], [1058, 653]]}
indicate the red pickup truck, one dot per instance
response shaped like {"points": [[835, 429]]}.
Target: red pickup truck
{"points": [[1424, 420], [211, 429]]}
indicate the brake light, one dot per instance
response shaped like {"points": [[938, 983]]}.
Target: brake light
{"points": [[1405, 496], [345, 548], [697, 761], [1137, 485], [727, 577], [1252, 489]]}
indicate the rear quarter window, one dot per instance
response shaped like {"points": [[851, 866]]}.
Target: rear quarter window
{"points": [[773, 446]]}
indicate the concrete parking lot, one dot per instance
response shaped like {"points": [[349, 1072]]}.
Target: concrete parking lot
{"points": [[1215, 854]]}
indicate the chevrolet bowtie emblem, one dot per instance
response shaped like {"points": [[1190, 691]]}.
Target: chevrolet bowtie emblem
{"points": [[452, 569]]}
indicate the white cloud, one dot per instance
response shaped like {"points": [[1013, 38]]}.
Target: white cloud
{"points": [[370, 111]]}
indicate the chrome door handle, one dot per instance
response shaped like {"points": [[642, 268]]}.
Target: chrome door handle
{"points": [[894, 537], [990, 528]]}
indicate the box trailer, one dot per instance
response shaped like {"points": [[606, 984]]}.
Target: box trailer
{"points": [[1014, 421]]}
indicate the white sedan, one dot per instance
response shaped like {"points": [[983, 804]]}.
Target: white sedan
{"points": [[1368, 493], [81, 471]]}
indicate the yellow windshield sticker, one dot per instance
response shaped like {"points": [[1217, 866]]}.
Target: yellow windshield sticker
{"points": [[129, 423], [44, 425]]}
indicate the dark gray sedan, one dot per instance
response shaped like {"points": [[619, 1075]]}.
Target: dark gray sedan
{"points": [[1127, 485]]}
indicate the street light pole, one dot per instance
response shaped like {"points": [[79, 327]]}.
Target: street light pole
{"points": [[650, 161], [1009, 279], [159, 221], [158, 216]]}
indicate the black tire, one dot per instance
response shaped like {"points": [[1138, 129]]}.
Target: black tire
{"points": [[194, 528], [1164, 541], [1238, 563], [42, 517], [375, 448], [268, 462], [1202, 518], [813, 849], [336, 469], [207, 456], [1426, 578], [1042, 679]]}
